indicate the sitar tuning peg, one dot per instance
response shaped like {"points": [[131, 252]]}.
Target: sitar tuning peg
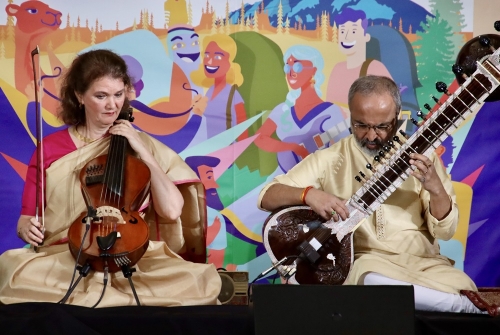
{"points": [[420, 114], [428, 107], [362, 178], [436, 100], [459, 71], [369, 167], [442, 88], [485, 42], [415, 122]]}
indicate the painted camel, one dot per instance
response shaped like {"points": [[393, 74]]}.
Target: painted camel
{"points": [[34, 21]]}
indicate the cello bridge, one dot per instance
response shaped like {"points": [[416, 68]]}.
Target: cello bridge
{"points": [[109, 211]]}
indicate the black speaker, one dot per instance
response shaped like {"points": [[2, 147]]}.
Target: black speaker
{"points": [[327, 309]]}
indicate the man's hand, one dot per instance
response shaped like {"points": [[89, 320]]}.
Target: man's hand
{"points": [[327, 205], [440, 204], [426, 173]]}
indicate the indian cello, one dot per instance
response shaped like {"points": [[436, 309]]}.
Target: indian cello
{"points": [[112, 234]]}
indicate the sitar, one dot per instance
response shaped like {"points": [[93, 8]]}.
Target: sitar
{"points": [[306, 249]]}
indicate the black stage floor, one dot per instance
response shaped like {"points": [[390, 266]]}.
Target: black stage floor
{"points": [[49, 318]]}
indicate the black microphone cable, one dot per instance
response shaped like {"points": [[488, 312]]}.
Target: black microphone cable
{"points": [[84, 270]]}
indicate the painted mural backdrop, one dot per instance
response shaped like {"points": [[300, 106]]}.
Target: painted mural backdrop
{"points": [[275, 74]]}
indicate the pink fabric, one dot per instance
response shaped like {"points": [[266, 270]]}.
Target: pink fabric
{"points": [[55, 146]]}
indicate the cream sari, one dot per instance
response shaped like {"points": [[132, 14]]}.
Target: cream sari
{"points": [[162, 277]]}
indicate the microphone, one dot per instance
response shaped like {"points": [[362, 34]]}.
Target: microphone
{"points": [[91, 215], [497, 25], [275, 265]]}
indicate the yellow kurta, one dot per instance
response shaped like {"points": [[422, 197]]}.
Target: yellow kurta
{"points": [[162, 277], [399, 240]]}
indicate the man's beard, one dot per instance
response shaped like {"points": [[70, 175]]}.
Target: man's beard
{"points": [[370, 152], [213, 199]]}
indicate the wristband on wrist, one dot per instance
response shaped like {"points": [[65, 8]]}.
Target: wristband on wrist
{"points": [[304, 193]]}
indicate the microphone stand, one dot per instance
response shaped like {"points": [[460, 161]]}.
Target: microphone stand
{"points": [[85, 269], [106, 243], [127, 273]]}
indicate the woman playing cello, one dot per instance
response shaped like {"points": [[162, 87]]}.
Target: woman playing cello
{"points": [[93, 94]]}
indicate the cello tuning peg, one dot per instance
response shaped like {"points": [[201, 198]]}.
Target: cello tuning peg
{"points": [[428, 107], [442, 88]]}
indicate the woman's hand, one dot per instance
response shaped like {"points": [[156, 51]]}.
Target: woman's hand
{"points": [[125, 129], [29, 230], [167, 199]]}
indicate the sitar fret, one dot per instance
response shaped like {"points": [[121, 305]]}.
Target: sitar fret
{"points": [[492, 70]]}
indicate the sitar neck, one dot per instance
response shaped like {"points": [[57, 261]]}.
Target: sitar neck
{"points": [[464, 102], [394, 170]]}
